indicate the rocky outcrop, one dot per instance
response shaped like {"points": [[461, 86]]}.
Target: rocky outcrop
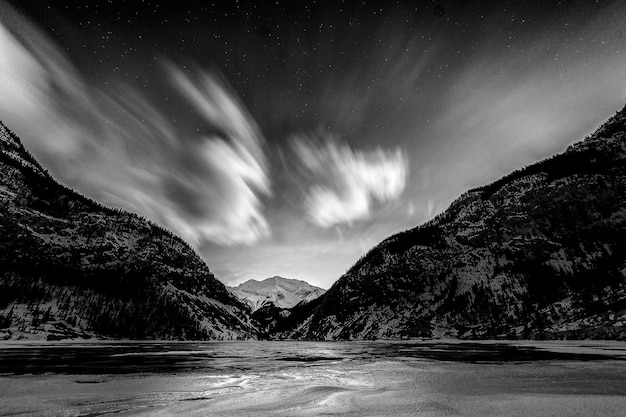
{"points": [[70, 267]]}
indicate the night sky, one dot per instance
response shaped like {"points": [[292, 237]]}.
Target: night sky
{"points": [[289, 137]]}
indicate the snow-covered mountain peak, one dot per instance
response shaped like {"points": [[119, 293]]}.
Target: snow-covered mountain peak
{"points": [[279, 291]]}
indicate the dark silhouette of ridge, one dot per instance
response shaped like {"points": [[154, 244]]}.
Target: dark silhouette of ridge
{"points": [[72, 267], [539, 253]]}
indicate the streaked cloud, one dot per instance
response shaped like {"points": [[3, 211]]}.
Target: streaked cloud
{"points": [[233, 163], [205, 184], [464, 103], [347, 182]]}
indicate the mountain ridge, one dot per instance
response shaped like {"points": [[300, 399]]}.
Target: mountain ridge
{"points": [[72, 267], [538, 253]]}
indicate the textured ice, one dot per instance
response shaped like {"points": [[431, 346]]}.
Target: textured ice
{"points": [[310, 379]]}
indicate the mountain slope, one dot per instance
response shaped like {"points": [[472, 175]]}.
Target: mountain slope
{"points": [[280, 292], [538, 253], [70, 267]]}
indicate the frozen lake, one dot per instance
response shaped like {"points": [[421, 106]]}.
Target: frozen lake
{"points": [[313, 378]]}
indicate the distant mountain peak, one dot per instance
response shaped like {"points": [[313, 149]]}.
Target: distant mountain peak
{"points": [[278, 291]]}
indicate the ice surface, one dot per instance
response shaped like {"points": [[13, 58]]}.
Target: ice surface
{"points": [[310, 378]]}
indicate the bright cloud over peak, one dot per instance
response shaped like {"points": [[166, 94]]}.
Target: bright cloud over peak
{"points": [[347, 182]]}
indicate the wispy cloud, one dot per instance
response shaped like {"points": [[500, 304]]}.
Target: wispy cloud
{"points": [[118, 148], [347, 182], [232, 161], [506, 108]]}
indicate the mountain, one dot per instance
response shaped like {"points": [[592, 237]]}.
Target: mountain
{"points": [[540, 253], [280, 292], [70, 267]]}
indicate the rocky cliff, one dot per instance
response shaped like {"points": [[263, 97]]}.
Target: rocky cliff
{"points": [[540, 253], [70, 267]]}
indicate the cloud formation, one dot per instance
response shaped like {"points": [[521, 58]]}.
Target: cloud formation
{"points": [[231, 164], [118, 148], [347, 182]]}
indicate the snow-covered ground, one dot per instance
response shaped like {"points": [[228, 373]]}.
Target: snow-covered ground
{"points": [[312, 378]]}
